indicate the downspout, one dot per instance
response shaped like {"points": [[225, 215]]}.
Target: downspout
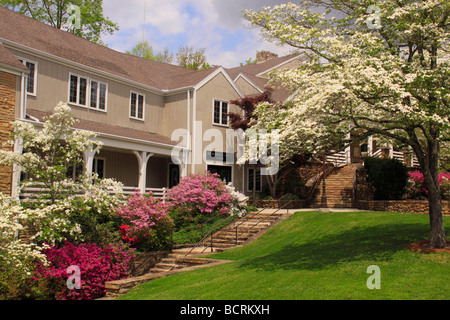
{"points": [[189, 144], [18, 147], [23, 97], [194, 137]]}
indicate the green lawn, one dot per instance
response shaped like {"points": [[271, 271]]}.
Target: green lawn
{"points": [[316, 255]]}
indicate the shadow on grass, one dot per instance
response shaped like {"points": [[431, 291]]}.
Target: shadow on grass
{"points": [[377, 243]]}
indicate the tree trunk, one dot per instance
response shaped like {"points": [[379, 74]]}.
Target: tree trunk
{"points": [[431, 178]]}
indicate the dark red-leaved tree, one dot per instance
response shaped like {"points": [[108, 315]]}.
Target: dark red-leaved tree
{"points": [[248, 104], [239, 121]]}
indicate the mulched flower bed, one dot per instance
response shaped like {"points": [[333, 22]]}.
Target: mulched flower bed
{"points": [[424, 247]]}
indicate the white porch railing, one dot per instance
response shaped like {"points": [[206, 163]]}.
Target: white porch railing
{"points": [[34, 192], [400, 156], [339, 159], [377, 154]]}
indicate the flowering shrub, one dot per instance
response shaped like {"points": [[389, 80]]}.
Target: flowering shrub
{"points": [[97, 266], [417, 186], [147, 222], [15, 254], [48, 151], [94, 210], [198, 196], [238, 201]]}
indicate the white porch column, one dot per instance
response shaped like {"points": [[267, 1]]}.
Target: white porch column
{"points": [[89, 159], [143, 158], [17, 171], [348, 150], [370, 146]]}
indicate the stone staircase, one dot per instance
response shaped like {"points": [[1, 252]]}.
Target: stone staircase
{"points": [[338, 187], [238, 233], [245, 229]]}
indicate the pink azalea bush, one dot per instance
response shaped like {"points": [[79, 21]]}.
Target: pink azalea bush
{"points": [[147, 223], [97, 266], [198, 197], [417, 186]]}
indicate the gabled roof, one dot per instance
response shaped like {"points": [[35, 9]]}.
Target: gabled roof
{"points": [[8, 60], [253, 73], [18, 30], [257, 69]]}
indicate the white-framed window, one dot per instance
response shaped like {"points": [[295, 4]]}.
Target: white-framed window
{"points": [[89, 93], [220, 111], [254, 179], [137, 105], [32, 77], [99, 94], [98, 167], [78, 89]]}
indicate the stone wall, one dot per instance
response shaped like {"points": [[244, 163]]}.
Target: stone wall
{"points": [[7, 115], [404, 206], [278, 204]]}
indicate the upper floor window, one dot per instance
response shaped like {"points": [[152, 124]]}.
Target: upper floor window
{"points": [[220, 113], [32, 77], [87, 92], [78, 90], [98, 95], [137, 104]]}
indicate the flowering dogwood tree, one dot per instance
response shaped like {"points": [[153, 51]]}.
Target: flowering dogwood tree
{"points": [[49, 151], [381, 67]]}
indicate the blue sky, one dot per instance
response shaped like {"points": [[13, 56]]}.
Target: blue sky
{"points": [[215, 25]]}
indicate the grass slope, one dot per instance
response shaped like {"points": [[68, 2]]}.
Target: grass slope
{"points": [[316, 255]]}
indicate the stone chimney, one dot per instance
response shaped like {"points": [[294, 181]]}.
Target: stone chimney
{"points": [[263, 56]]}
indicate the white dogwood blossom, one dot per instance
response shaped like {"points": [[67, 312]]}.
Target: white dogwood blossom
{"points": [[384, 72]]}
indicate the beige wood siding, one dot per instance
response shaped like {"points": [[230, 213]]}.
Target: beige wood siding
{"points": [[53, 87], [218, 88], [247, 88]]}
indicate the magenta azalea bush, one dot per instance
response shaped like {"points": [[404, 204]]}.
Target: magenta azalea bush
{"points": [[97, 266], [418, 189], [147, 224], [198, 197]]}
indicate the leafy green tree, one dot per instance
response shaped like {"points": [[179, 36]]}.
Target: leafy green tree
{"points": [[145, 50], [187, 57], [57, 13]]}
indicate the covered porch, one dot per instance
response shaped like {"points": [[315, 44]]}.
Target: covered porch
{"points": [[142, 161], [360, 149]]}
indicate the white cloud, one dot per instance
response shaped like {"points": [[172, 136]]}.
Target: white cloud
{"points": [[216, 25]]}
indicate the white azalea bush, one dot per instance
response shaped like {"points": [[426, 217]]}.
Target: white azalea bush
{"points": [[238, 201]]}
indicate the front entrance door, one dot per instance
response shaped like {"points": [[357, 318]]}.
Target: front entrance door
{"points": [[174, 175], [223, 171]]}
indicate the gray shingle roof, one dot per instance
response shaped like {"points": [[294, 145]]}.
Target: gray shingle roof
{"points": [[28, 32]]}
